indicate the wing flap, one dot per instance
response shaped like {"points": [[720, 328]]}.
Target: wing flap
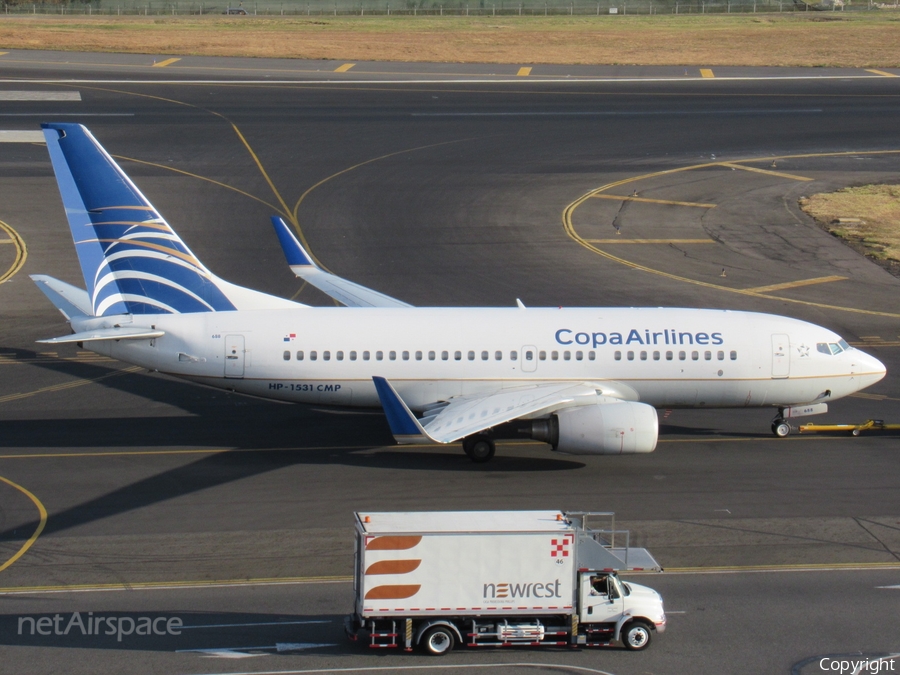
{"points": [[467, 415], [346, 292]]}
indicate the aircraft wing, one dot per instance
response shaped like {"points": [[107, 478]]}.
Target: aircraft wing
{"points": [[345, 292], [466, 415]]}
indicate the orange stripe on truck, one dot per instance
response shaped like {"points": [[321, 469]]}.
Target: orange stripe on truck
{"points": [[392, 543], [393, 592], [393, 567]]}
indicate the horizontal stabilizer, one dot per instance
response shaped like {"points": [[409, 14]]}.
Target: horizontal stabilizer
{"points": [[68, 299], [346, 292], [101, 334]]}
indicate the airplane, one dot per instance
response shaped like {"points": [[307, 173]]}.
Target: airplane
{"points": [[584, 380]]}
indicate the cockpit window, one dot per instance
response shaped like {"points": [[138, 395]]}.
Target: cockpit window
{"points": [[832, 348]]}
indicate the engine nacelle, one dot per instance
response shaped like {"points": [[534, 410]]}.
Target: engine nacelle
{"points": [[619, 428]]}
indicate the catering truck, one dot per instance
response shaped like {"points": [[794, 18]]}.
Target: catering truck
{"points": [[498, 579]]}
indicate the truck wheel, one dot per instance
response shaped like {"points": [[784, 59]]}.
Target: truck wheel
{"points": [[438, 641], [636, 636]]}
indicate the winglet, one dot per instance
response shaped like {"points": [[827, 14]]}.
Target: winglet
{"points": [[404, 425], [293, 250]]}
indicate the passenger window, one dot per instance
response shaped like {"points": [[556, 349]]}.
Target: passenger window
{"points": [[445, 356], [431, 356], [484, 356], [579, 356], [554, 356], [418, 356], [406, 356], [734, 356], [656, 356], [643, 356], [591, 356], [542, 355], [313, 356], [682, 356], [326, 356], [457, 356], [392, 355], [365, 356], [513, 356], [617, 356], [669, 356], [707, 356], [299, 356], [720, 355], [471, 356], [631, 356], [567, 355], [340, 356], [353, 356], [498, 356], [695, 356], [287, 356], [379, 356], [529, 355]]}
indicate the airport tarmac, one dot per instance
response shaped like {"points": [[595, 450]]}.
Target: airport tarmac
{"points": [[443, 193]]}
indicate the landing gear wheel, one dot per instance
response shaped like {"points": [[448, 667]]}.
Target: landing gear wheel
{"points": [[781, 428], [479, 448], [438, 641], [636, 636]]}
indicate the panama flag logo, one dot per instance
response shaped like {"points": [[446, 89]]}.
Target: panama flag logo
{"points": [[290, 337]]}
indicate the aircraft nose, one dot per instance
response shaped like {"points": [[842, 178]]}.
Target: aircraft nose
{"points": [[871, 370]]}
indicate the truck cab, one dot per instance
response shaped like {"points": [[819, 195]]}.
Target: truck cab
{"points": [[607, 605]]}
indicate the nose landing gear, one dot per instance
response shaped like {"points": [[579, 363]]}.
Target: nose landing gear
{"points": [[780, 426]]}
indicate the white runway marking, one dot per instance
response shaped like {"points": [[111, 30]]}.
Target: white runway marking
{"points": [[17, 136], [40, 96], [262, 623], [394, 669]]}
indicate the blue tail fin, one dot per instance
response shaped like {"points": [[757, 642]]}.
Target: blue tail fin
{"points": [[132, 261]]}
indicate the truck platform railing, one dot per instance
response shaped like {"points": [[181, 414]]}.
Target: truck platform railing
{"points": [[611, 549]]}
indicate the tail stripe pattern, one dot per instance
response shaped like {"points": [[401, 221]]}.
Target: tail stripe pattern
{"points": [[132, 261]]}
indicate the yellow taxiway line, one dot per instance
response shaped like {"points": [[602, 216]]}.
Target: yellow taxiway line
{"points": [[881, 72], [524, 71], [767, 172], [795, 284], [647, 200], [167, 62], [21, 252], [67, 385], [619, 240], [37, 532], [344, 68], [706, 72]]}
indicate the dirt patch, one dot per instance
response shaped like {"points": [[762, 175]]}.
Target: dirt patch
{"points": [[866, 217], [860, 40]]}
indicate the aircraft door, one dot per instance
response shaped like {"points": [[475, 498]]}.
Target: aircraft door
{"points": [[529, 359], [781, 356], [234, 356]]}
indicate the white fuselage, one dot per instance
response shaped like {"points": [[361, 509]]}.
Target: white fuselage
{"points": [[663, 357]]}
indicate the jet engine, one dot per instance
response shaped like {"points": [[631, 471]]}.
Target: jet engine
{"points": [[619, 428]]}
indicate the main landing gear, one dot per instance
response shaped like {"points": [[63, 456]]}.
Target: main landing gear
{"points": [[780, 426], [480, 448]]}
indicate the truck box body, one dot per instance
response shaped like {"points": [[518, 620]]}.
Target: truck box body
{"points": [[465, 563]]}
